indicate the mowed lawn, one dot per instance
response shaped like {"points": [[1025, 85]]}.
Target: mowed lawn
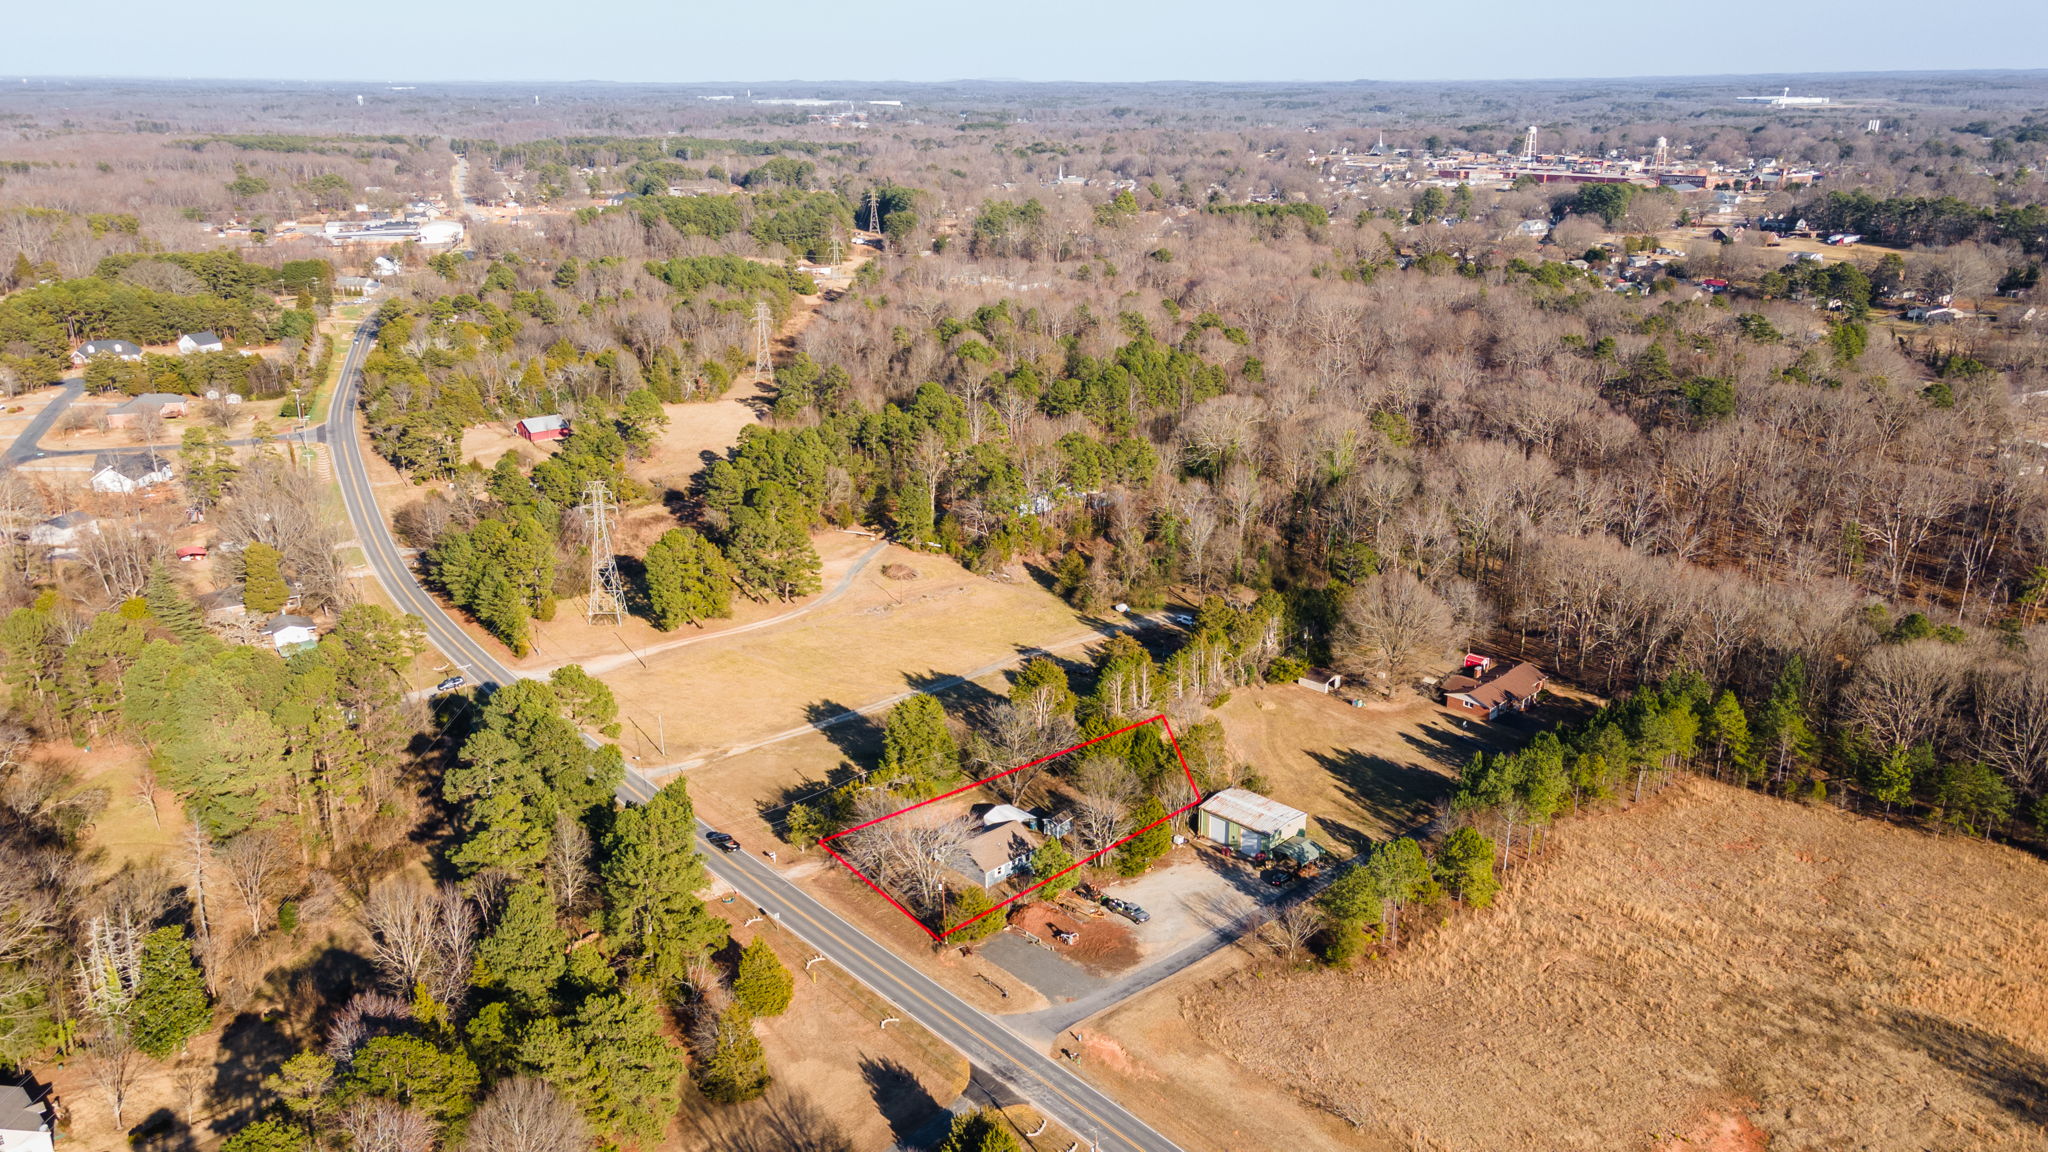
{"points": [[885, 636], [1364, 774], [1713, 964]]}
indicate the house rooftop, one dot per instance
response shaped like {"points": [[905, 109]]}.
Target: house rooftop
{"points": [[549, 423], [203, 337], [133, 465], [1518, 682], [999, 845], [1248, 809], [284, 620], [151, 400], [1005, 814], [20, 1112]]}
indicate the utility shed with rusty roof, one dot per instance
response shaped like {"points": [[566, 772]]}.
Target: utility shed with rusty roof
{"points": [[1242, 819]]}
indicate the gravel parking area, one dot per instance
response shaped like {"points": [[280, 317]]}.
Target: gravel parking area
{"points": [[1193, 895]]}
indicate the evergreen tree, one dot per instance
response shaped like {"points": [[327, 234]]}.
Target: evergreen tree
{"points": [[735, 1068], [613, 1058], [524, 954], [1047, 863], [497, 606], [1784, 733], [770, 545], [1040, 675], [1465, 862], [168, 604], [651, 873], [525, 764], [1971, 798], [415, 1073], [971, 902], [170, 1005], [208, 463], [983, 1130], [588, 700], [266, 1136], [1727, 732], [1400, 874], [1891, 777], [304, 1085], [1143, 850], [641, 420], [688, 580], [762, 983], [264, 591], [803, 826], [918, 748]]}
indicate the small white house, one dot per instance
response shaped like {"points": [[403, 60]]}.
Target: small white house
{"points": [[384, 266], [24, 1121], [291, 633], [119, 349], [192, 342], [997, 853], [61, 531], [129, 472]]}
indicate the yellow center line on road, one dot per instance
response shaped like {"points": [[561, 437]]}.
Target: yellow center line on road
{"points": [[970, 1029]]}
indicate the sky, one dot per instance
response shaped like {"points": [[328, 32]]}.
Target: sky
{"points": [[682, 41]]}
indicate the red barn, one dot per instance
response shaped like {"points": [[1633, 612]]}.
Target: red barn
{"points": [[538, 428]]}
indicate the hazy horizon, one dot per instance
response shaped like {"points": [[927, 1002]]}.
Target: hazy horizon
{"points": [[1065, 41]]}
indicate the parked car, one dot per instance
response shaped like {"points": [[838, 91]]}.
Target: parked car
{"points": [[722, 841], [451, 684], [1126, 909]]}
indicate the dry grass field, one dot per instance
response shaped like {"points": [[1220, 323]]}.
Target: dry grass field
{"points": [[723, 687], [1714, 969]]}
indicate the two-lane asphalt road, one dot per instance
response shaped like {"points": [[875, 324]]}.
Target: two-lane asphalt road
{"points": [[1048, 1085], [25, 445]]}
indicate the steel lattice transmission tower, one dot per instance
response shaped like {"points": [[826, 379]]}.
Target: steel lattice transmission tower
{"points": [[764, 366], [606, 603]]}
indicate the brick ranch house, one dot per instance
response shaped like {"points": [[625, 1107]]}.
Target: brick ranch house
{"points": [[1487, 686]]}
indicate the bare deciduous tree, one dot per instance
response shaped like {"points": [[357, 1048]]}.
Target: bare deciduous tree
{"points": [[256, 863], [378, 1125], [524, 1114], [1394, 627], [421, 935]]}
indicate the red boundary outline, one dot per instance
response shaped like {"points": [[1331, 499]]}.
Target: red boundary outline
{"points": [[1171, 739]]}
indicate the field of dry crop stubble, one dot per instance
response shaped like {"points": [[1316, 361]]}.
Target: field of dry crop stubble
{"points": [[1711, 960]]}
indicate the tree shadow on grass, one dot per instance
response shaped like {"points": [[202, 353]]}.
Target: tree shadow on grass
{"points": [[903, 1101], [963, 698], [311, 992], [785, 1120], [2002, 1072], [858, 738], [162, 1131], [1399, 796], [252, 1047]]}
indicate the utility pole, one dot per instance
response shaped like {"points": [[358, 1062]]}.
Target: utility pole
{"points": [[606, 603]]}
